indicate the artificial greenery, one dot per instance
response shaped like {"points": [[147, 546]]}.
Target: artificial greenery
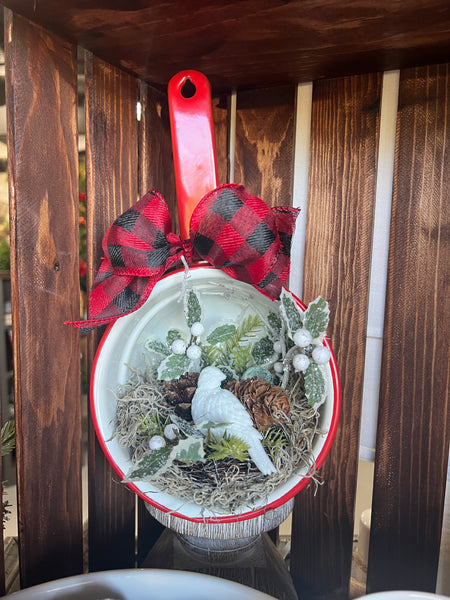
{"points": [[8, 443], [265, 346]]}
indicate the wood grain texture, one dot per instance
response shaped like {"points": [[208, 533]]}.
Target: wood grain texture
{"points": [[112, 187], [155, 173], [43, 181], [264, 154], [156, 170], [344, 133], [221, 115], [251, 44], [414, 415]]}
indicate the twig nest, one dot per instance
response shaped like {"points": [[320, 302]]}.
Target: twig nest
{"points": [[300, 362], [321, 355], [156, 442], [302, 338], [267, 404]]}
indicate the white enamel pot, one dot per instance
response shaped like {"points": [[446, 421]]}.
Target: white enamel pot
{"points": [[223, 300]]}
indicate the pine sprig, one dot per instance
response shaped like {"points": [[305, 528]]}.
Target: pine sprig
{"points": [[8, 438], [228, 445]]}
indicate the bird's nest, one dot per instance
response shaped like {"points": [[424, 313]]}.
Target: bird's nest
{"points": [[225, 486]]}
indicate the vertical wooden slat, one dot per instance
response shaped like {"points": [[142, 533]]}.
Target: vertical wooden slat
{"points": [[265, 143], [221, 113], [414, 416], [344, 132], [155, 172], [264, 158], [41, 79], [112, 187]]}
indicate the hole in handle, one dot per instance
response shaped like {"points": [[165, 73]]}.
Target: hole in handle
{"points": [[188, 89]]}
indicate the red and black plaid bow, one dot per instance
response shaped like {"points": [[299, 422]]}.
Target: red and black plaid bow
{"points": [[230, 229]]}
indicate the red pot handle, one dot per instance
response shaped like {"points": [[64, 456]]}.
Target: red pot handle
{"points": [[193, 146]]}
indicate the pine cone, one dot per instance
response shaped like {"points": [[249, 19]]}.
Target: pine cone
{"points": [[267, 404], [179, 393]]}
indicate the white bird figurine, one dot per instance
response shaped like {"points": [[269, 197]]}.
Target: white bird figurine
{"points": [[212, 403]]}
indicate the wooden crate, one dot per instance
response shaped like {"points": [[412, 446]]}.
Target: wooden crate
{"points": [[299, 87]]}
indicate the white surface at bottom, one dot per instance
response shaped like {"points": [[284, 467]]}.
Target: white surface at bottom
{"points": [[140, 584]]}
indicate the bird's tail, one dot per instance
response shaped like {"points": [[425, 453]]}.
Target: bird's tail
{"points": [[260, 458]]}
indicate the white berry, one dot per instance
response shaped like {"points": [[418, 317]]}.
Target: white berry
{"points": [[300, 362], [321, 355], [171, 431], [197, 329], [156, 442], [277, 347], [178, 346], [194, 352], [302, 338], [278, 367]]}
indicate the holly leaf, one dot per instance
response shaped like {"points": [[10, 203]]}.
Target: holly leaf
{"points": [[262, 350], [221, 334], [183, 425], [314, 385], [172, 335], [154, 345], [291, 312], [274, 321], [192, 308], [152, 464], [316, 317], [173, 367], [258, 372], [188, 450]]}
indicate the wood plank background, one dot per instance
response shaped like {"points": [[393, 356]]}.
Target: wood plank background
{"points": [[43, 181], [124, 159], [344, 131], [112, 187], [414, 422]]}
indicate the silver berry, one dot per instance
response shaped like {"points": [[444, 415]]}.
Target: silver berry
{"points": [[178, 346], [277, 347], [278, 367], [194, 352], [302, 338], [300, 362], [156, 442], [321, 355], [171, 431], [197, 329]]}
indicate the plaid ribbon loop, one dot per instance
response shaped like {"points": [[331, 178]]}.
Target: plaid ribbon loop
{"points": [[230, 229]]}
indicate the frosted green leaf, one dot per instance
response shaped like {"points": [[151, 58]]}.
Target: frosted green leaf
{"points": [[173, 367], [316, 317], [172, 335], [221, 334], [274, 321], [211, 425], [188, 450], [314, 385], [258, 372], [262, 350], [291, 312], [192, 308], [154, 345], [153, 463], [182, 425]]}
